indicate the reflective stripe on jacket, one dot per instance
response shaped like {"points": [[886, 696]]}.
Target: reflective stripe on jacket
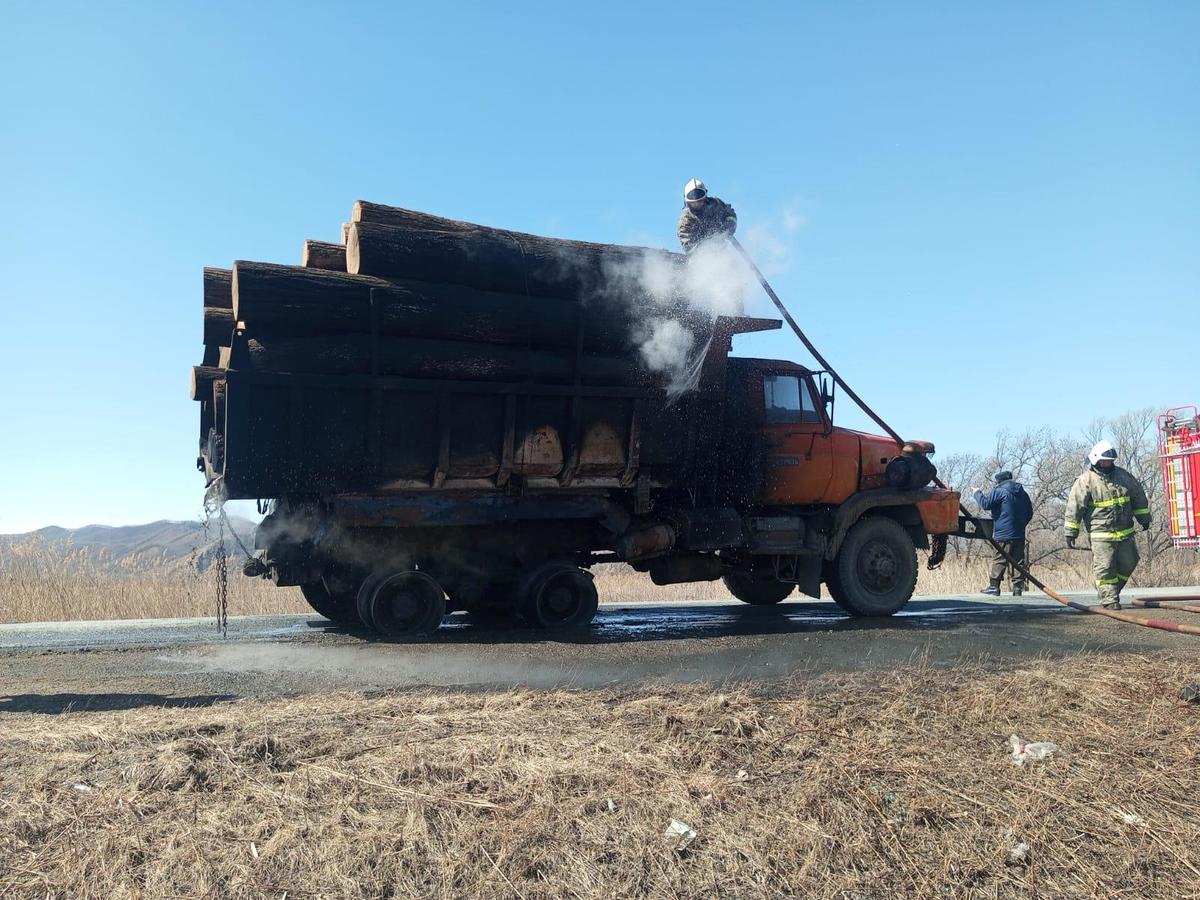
{"points": [[1108, 503]]}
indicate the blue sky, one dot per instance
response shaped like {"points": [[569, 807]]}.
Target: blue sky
{"points": [[989, 214]]}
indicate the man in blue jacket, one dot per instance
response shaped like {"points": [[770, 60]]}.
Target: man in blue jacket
{"points": [[1011, 511]]}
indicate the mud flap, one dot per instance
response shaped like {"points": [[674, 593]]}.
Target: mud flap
{"points": [[937, 550], [803, 570]]}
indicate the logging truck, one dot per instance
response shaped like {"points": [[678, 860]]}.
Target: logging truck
{"points": [[438, 419]]}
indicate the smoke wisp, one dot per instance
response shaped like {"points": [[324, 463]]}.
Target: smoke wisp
{"points": [[676, 302]]}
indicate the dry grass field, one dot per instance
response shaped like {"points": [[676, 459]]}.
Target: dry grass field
{"points": [[869, 786], [42, 582], [46, 582]]}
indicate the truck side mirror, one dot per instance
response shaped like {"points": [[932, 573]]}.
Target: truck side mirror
{"points": [[827, 389], [827, 396]]}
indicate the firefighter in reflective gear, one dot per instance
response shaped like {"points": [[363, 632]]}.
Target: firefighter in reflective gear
{"points": [[1107, 500], [703, 216]]}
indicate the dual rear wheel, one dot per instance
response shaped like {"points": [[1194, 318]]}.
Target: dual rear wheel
{"points": [[402, 604], [399, 604], [555, 596]]}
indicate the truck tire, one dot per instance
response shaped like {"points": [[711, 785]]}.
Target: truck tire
{"points": [[836, 592], [875, 572], [756, 591], [558, 596], [338, 608], [366, 593], [405, 604]]}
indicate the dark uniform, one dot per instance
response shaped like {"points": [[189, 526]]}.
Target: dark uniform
{"points": [[698, 225], [1011, 511]]}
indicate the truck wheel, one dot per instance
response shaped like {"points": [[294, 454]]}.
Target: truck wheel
{"points": [[755, 591], [558, 595], [338, 608], [365, 596], [405, 604], [875, 572]]}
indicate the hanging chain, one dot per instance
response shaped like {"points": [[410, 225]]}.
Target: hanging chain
{"points": [[214, 502], [222, 577]]}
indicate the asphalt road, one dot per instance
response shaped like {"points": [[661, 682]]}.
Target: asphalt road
{"points": [[52, 667]]}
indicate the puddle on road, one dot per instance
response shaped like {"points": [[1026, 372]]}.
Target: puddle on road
{"points": [[682, 644]]}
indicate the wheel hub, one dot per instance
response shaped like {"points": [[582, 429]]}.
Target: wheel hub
{"points": [[558, 599], [877, 567], [405, 606]]}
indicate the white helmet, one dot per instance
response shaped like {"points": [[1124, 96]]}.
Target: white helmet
{"points": [[1102, 450], [694, 190]]}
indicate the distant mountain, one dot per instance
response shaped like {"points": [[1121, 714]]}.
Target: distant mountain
{"points": [[165, 543]]}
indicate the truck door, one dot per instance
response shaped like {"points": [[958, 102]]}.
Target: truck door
{"points": [[799, 448]]}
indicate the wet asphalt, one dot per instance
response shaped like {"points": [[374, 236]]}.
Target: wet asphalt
{"points": [[54, 667]]}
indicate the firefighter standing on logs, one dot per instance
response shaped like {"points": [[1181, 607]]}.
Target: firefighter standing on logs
{"points": [[1107, 499], [703, 216]]}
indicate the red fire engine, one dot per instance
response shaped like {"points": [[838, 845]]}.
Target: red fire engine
{"points": [[1179, 451]]}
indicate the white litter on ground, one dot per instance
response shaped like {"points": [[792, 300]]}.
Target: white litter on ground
{"points": [[679, 835], [1022, 751]]}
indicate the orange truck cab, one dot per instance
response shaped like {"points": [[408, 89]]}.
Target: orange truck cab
{"points": [[828, 504]]}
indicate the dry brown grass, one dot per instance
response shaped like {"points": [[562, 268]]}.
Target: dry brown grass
{"points": [[53, 582], [41, 582], [894, 785]]}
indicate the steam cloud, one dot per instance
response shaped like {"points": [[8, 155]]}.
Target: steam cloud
{"points": [[672, 302], [678, 301]]}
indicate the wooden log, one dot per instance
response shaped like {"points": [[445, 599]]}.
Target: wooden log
{"points": [[218, 288], [218, 326], [203, 378], [398, 243], [276, 300], [351, 354], [322, 255], [212, 355], [345, 232]]}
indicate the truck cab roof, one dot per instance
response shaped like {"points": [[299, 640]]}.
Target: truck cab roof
{"points": [[775, 365]]}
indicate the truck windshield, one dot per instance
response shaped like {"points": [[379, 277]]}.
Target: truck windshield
{"points": [[788, 401]]}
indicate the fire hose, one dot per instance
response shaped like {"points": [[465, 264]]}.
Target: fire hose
{"points": [[1033, 579], [1186, 604]]}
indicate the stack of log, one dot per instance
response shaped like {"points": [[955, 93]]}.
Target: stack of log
{"points": [[415, 295]]}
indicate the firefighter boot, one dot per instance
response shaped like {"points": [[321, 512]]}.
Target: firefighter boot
{"points": [[1110, 596], [993, 588]]}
